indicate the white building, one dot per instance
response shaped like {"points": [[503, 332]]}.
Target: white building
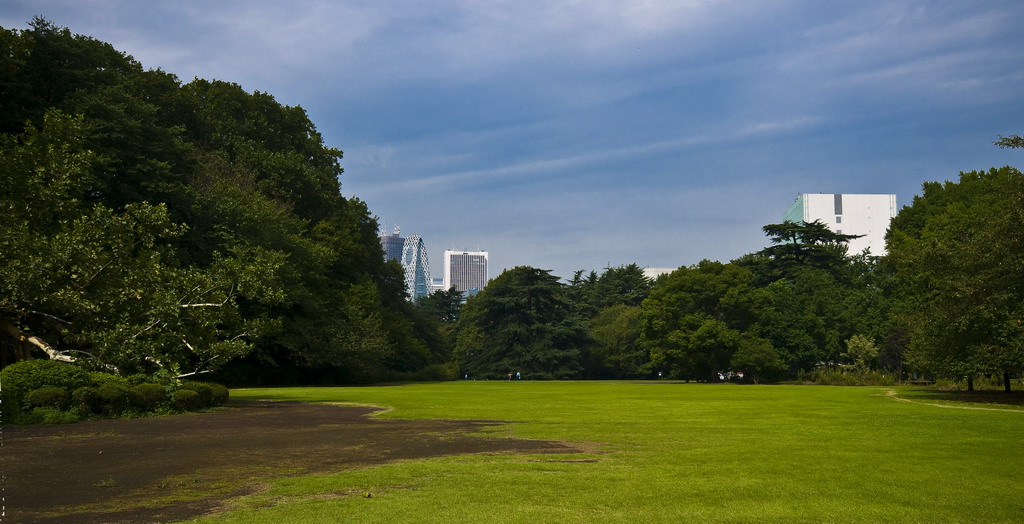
{"points": [[466, 271], [867, 215]]}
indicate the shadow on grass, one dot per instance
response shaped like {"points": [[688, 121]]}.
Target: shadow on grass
{"points": [[1014, 398]]}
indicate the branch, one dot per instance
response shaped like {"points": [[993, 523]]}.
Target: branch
{"points": [[49, 316], [48, 349], [192, 373], [152, 325], [15, 332], [98, 271]]}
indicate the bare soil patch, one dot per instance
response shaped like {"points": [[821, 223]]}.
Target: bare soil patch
{"points": [[179, 467]]}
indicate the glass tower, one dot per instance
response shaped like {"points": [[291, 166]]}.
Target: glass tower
{"points": [[411, 253]]}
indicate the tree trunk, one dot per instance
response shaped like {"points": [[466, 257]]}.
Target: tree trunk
{"points": [[970, 383], [1006, 381]]}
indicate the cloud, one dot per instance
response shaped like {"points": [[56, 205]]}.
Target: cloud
{"points": [[534, 168]]}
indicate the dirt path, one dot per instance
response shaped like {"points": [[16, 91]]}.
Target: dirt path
{"points": [[172, 468], [892, 393]]}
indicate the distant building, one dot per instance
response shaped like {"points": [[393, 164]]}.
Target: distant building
{"points": [[654, 272], [437, 285], [393, 245], [848, 214], [411, 252], [466, 271]]}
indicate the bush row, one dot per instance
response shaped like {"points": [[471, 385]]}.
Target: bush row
{"points": [[47, 391], [832, 377]]}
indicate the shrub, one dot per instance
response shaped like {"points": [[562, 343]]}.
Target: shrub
{"points": [[204, 390], [828, 377], [86, 400], [48, 397], [220, 394], [20, 378], [185, 400], [138, 379], [148, 396], [49, 415], [100, 379], [114, 398]]}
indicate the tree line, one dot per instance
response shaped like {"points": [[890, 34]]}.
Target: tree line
{"points": [[150, 225], [944, 302], [155, 226]]}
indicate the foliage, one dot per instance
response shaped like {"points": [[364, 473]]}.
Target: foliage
{"points": [[625, 285], [114, 398], [615, 351], [210, 394], [182, 227], [48, 397], [186, 400], [757, 359], [799, 245], [1012, 141], [148, 396], [521, 322], [444, 305], [958, 252], [821, 297], [86, 400], [851, 377], [695, 320], [862, 352], [21, 378], [31, 385]]}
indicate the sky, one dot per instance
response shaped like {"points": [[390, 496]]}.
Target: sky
{"points": [[571, 135]]}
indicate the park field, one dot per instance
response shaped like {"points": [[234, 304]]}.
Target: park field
{"points": [[671, 452]]}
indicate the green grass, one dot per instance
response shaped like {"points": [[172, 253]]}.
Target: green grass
{"points": [[670, 453]]}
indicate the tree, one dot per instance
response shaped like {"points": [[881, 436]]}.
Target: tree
{"points": [[757, 359], [694, 320], [443, 305], [82, 279], [862, 352], [521, 322], [616, 351], [1012, 141], [210, 189], [958, 252], [798, 245]]}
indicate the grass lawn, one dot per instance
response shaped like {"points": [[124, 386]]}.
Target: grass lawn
{"points": [[666, 452]]}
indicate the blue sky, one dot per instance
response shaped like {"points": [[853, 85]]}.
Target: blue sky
{"points": [[580, 134]]}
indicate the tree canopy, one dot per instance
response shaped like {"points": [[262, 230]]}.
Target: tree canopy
{"points": [[958, 252], [521, 322], [154, 224]]}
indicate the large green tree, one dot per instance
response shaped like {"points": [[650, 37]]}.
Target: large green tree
{"points": [[82, 279], [615, 350], [215, 187], [958, 251], [521, 322], [697, 317]]}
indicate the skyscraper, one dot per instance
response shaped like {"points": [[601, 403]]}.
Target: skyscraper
{"points": [[417, 269], [848, 214], [411, 252], [466, 271]]}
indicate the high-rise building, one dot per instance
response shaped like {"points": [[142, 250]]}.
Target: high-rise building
{"points": [[417, 269], [411, 252], [393, 244], [466, 271], [848, 214]]}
